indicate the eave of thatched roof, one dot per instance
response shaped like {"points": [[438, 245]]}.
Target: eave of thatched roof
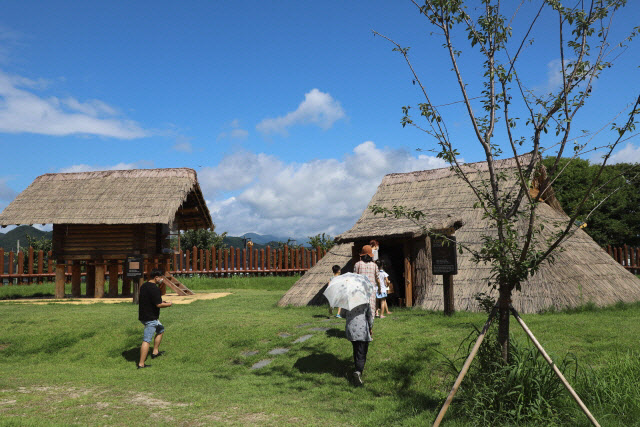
{"points": [[138, 196], [440, 194]]}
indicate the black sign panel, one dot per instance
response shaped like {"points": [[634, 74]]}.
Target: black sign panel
{"points": [[444, 256], [134, 267]]}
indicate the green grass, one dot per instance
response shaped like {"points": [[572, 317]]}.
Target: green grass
{"points": [[75, 364]]}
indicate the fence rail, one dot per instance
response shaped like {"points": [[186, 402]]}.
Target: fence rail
{"points": [[627, 256], [39, 267]]}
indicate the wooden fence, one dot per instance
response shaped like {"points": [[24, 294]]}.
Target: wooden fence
{"points": [[627, 256], [38, 267]]}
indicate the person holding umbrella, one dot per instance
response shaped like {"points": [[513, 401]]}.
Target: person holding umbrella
{"points": [[353, 292]]}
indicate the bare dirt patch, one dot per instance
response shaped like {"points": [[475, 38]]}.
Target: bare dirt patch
{"points": [[174, 298]]}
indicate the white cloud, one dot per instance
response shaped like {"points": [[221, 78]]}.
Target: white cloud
{"points": [[318, 108], [21, 110], [300, 199], [554, 77], [183, 144], [236, 131], [629, 154], [143, 164], [6, 192]]}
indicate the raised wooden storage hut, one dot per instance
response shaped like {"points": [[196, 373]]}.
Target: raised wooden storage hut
{"points": [[100, 218], [583, 272]]}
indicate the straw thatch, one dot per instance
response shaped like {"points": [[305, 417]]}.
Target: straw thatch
{"points": [[309, 287], [583, 272], [139, 196]]}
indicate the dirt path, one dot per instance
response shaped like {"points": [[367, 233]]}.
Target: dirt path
{"points": [[174, 298]]}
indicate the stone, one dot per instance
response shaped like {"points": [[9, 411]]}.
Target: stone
{"points": [[277, 351], [249, 353], [261, 364], [302, 338]]}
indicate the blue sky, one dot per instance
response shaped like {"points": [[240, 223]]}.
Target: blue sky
{"points": [[288, 110]]}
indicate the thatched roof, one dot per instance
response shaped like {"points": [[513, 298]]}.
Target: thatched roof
{"points": [[310, 286], [138, 196], [583, 272]]}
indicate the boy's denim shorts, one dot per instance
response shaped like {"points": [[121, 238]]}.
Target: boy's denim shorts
{"points": [[150, 327]]}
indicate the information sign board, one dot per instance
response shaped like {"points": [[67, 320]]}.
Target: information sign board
{"points": [[134, 267], [444, 255]]}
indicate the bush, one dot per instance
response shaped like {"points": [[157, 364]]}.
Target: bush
{"points": [[524, 391]]}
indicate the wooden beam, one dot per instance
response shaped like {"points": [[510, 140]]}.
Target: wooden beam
{"points": [[113, 279], [91, 280], [60, 267], [447, 290], [408, 273], [76, 289], [99, 280]]}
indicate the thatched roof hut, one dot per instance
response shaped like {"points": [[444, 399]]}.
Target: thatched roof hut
{"points": [[138, 196], [583, 272], [102, 218]]}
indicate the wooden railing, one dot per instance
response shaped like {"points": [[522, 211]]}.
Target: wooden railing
{"points": [[626, 256], [37, 267]]}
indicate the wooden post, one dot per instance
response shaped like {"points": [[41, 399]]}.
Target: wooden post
{"points": [[194, 265], [113, 279], [554, 368], [91, 279], [40, 265], [464, 369], [447, 290], [136, 289], [126, 286], [208, 262], [232, 264], [262, 260], [20, 271], [99, 291], [60, 270], [76, 279], [30, 265], [408, 283]]}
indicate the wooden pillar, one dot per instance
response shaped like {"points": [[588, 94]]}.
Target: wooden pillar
{"points": [[136, 289], [447, 290], [408, 283], [60, 270], [113, 279], [91, 279], [126, 286], [76, 279], [99, 280]]}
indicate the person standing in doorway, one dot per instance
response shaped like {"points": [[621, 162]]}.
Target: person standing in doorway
{"points": [[150, 303], [375, 247]]}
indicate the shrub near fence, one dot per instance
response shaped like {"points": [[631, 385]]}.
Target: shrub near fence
{"points": [[39, 267], [626, 256]]}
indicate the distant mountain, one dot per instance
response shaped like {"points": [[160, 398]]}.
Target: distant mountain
{"points": [[9, 240]]}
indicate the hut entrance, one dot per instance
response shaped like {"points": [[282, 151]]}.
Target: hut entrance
{"points": [[391, 253]]}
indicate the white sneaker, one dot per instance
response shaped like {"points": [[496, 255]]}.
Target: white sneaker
{"points": [[357, 378]]}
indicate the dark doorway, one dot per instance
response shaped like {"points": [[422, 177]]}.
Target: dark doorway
{"points": [[391, 253]]}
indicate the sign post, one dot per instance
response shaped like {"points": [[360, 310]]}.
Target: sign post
{"points": [[444, 262], [134, 269]]}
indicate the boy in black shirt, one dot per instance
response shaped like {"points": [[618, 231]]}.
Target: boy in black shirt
{"points": [[150, 303]]}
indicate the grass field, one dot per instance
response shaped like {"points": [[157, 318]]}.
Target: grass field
{"points": [[75, 364]]}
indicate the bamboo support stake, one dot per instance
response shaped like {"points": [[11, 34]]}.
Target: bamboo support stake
{"points": [[465, 368], [555, 368]]}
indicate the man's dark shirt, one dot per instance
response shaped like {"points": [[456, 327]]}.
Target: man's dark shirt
{"points": [[150, 297]]}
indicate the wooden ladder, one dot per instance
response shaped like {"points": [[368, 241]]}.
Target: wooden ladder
{"points": [[178, 287]]}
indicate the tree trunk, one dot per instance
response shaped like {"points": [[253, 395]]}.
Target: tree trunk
{"points": [[503, 318]]}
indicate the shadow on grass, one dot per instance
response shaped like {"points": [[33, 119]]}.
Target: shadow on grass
{"points": [[131, 355], [323, 363], [336, 333]]}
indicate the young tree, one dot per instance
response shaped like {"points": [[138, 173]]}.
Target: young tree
{"points": [[202, 239], [321, 241], [513, 246]]}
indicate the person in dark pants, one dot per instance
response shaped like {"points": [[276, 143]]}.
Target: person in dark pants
{"points": [[359, 330], [150, 303]]}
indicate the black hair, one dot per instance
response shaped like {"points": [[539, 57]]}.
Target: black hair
{"points": [[155, 273], [381, 264], [335, 268], [366, 258]]}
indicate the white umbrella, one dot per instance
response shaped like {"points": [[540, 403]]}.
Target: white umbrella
{"points": [[349, 290]]}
